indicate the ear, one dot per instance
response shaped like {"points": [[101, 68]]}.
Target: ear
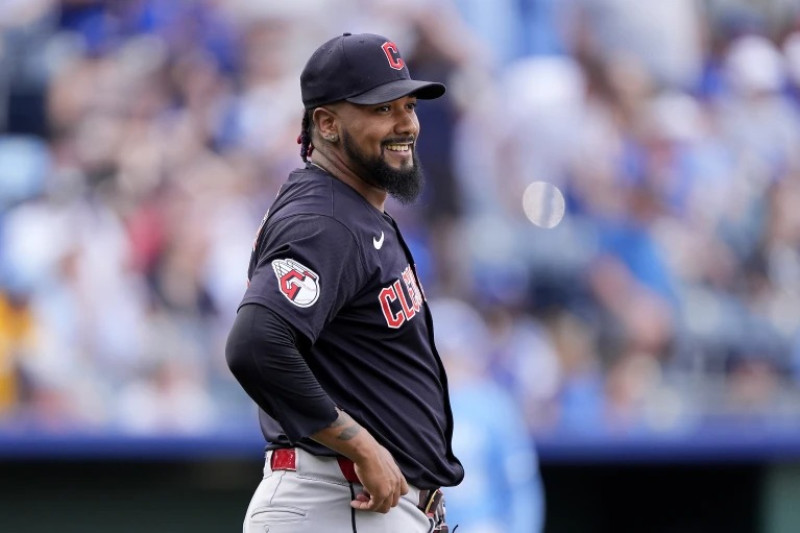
{"points": [[327, 123]]}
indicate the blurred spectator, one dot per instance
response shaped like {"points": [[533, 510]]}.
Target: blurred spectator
{"points": [[502, 490], [17, 338], [665, 40], [25, 33]]}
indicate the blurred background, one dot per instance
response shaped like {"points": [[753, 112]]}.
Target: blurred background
{"points": [[643, 355]]}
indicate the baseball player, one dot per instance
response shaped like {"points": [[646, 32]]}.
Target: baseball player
{"points": [[333, 338]]}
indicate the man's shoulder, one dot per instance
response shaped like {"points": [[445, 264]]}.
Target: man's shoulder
{"points": [[305, 190], [312, 192]]}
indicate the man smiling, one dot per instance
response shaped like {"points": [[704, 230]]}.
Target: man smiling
{"points": [[333, 338]]}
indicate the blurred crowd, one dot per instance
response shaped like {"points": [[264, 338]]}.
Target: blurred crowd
{"points": [[141, 142]]}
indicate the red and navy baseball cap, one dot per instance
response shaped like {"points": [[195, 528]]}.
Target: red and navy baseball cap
{"points": [[363, 69]]}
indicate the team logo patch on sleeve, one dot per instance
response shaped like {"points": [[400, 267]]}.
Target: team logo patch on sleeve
{"points": [[297, 282]]}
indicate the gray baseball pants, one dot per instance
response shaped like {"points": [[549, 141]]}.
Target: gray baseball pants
{"points": [[316, 497]]}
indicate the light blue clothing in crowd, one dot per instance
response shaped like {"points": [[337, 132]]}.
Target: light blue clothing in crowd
{"points": [[502, 490]]}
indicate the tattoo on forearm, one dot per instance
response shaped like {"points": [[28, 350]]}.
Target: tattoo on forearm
{"points": [[344, 420], [348, 432]]}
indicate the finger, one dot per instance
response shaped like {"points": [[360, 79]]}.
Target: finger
{"points": [[373, 505], [384, 507], [360, 505], [362, 501], [403, 486], [395, 499]]}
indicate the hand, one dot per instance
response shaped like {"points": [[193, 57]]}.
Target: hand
{"points": [[383, 482]]}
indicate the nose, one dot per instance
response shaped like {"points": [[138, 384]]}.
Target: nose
{"points": [[407, 123]]}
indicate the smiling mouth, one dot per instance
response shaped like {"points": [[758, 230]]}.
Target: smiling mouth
{"points": [[399, 147]]}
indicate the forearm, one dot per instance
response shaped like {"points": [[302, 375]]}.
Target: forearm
{"points": [[347, 437], [383, 482]]}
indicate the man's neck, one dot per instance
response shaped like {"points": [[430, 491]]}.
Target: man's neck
{"points": [[375, 196]]}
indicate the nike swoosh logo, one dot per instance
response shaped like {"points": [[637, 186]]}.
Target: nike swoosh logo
{"points": [[378, 243]]}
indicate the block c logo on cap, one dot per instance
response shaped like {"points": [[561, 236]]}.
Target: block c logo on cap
{"points": [[393, 55]]}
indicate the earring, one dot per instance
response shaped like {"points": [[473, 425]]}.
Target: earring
{"points": [[332, 138]]}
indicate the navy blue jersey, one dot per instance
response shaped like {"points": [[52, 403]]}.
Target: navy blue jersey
{"points": [[337, 270]]}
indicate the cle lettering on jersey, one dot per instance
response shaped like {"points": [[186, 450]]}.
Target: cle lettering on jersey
{"points": [[402, 300]]}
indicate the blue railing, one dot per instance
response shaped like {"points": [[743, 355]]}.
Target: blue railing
{"points": [[722, 444]]}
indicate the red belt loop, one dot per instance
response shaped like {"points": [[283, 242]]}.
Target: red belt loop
{"points": [[286, 459], [283, 459]]}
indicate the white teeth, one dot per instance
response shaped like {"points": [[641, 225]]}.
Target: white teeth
{"points": [[398, 147]]}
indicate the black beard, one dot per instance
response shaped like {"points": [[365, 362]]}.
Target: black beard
{"points": [[403, 185]]}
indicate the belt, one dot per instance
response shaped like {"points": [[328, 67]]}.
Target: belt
{"points": [[286, 459]]}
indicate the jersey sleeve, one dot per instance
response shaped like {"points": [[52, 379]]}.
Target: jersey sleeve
{"points": [[262, 354], [305, 268]]}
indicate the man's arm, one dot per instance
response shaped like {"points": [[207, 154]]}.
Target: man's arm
{"points": [[262, 354]]}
